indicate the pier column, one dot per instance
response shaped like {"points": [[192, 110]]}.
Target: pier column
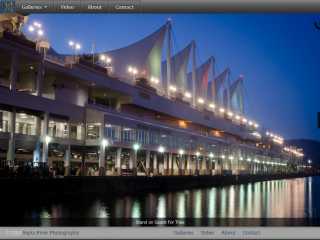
{"points": [[14, 71], [102, 159], [155, 164], [11, 153], [118, 161], [188, 164], [67, 154], [147, 162], [67, 157], [45, 140], [197, 165], [133, 161], [165, 164], [181, 159], [170, 164], [39, 78]]}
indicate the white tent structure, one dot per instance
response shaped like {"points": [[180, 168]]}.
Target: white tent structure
{"points": [[236, 95], [179, 65], [144, 55], [204, 73], [217, 86], [172, 70]]}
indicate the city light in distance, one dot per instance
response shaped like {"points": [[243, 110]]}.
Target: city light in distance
{"points": [[197, 154], [294, 151], [244, 120], [211, 155], [238, 117], [223, 156], [222, 110]]}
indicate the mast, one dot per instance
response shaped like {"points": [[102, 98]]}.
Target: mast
{"points": [[168, 58], [228, 105], [213, 86], [193, 73]]}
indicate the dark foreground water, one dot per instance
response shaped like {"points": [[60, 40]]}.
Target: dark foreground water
{"points": [[285, 202]]}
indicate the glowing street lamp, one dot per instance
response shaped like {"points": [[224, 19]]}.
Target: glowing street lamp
{"points": [[181, 152], [222, 110], [133, 71], [172, 88], [105, 142], [31, 29], [212, 106], [75, 46], [200, 100], [48, 139], [136, 147], [106, 61], [244, 120], [36, 28], [187, 95], [161, 149], [211, 155], [154, 80], [230, 114]]}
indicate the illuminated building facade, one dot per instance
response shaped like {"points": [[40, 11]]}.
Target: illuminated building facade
{"points": [[128, 111]]}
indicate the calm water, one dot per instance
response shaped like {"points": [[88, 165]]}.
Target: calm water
{"points": [[293, 198]]}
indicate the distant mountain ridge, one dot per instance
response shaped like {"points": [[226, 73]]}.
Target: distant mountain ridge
{"points": [[310, 147]]}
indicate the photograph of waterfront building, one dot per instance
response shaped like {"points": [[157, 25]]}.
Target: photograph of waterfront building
{"points": [[146, 111]]}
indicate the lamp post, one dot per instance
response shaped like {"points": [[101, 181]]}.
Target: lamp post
{"points": [[75, 46], [197, 162], [181, 152], [36, 30], [133, 71], [106, 61], [136, 148]]}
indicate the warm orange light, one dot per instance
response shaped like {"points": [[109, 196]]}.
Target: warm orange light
{"points": [[182, 124]]}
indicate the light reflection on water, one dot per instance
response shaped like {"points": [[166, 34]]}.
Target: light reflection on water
{"points": [[294, 198]]}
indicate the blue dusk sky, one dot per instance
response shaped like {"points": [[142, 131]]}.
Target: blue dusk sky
{"points": [[277, 53]]}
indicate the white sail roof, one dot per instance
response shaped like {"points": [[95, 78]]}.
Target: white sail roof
{"points": [[236, 95], [218, 84], [203, 73], [179, 65], [145, 55]]}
